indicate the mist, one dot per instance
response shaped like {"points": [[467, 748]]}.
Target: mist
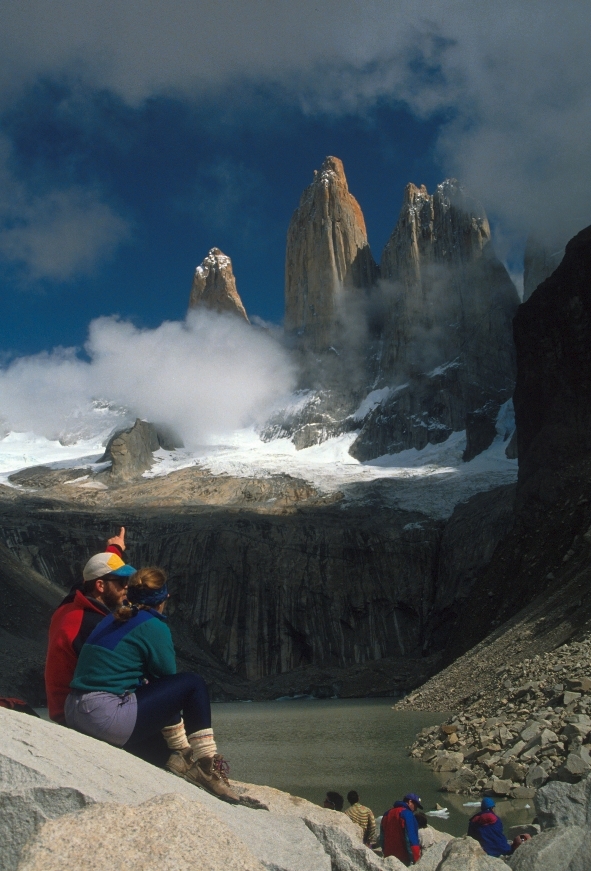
{"points": [[205, 377]]}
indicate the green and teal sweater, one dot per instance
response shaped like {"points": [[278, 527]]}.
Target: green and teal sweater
{"points": [[118, 655]]}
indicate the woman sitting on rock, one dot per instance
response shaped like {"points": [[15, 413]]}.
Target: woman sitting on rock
{"points": [[126, 689]]}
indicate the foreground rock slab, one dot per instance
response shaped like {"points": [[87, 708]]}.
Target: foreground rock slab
{"points": [[48, 772], [466, 854], [163, 834], [567, 848]]}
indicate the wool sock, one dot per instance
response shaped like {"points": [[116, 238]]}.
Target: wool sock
{"points": [[202, 744], [176, 737]]}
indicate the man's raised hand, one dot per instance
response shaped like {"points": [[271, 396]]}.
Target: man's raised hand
{"points": [[118, 539]]}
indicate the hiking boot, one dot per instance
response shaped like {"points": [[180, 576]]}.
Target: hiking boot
{"points": [[203, 774], [179, 762]]}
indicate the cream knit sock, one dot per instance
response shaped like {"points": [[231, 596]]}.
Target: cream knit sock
{"points": [[202, 744], [176, 737]]}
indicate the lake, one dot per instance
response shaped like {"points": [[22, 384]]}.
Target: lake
{"points": [[308, 746]]}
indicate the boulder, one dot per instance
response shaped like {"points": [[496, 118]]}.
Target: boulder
{"points": [[522, 792], [572, 769], [554, 850], [162, 834], [513, 770], [501, 787], [130, 451], [447, 760], [432, 855], [47, 771], [562, 804], [466, 854], [536, 776], [461, 781]]}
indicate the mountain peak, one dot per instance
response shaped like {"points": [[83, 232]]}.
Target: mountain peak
{"points": [[214, 286], [327, 251]]}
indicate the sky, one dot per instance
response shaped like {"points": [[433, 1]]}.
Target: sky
{"points": [[135, 136]]}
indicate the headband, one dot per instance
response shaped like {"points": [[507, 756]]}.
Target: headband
{"points": [[138, 595]]}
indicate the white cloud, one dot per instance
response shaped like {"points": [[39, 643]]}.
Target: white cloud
{"points": [[514, 76], [205, 377], [57, 234]]}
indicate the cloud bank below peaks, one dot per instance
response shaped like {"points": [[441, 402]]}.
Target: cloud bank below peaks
{"points": [[205, 377]]}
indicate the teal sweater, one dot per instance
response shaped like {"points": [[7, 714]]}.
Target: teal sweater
{"points": [[118, 655]]}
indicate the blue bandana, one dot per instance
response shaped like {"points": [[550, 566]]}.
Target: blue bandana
{"points": [[138, 595]]}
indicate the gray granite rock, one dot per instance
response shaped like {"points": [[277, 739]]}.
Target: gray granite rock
{"points": [[553, 850], [466, 854], [163, 834], [447, 760], [563, 804], [47, 771]]}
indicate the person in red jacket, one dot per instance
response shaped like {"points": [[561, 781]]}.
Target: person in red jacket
{"points": [[399, 833], [102, 590]]}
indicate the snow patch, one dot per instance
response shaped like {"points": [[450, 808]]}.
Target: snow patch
{"points": [[440, 370]]}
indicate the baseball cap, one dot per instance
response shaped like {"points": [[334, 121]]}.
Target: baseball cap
{"points": [[486, 804], [102, 564], [412, 796]]}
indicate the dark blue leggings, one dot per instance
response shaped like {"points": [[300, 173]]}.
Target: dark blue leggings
{"points": [[162, 702]]}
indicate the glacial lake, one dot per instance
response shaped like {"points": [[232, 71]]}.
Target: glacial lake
{"points": [[307, 746]]}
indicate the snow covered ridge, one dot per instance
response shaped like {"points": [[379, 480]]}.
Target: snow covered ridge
{"points": [[433, 480]]}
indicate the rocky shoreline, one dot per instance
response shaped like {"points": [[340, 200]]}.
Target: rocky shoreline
{"points": [[535, 728]]}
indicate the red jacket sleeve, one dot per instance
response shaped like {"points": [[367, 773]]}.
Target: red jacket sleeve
{"points": [[114, 548]]}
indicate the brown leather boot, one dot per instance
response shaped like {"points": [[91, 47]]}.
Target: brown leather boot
{"points": [[180, 761], [205, 774]]}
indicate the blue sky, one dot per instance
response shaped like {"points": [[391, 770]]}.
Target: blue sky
{"points": [[134, 137], [184, 179]]}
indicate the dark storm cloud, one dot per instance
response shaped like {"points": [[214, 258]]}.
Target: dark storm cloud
{"points": [[514, 77]]}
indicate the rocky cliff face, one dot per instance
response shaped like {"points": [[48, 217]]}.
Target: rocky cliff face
{"points": [[539, 262], [214, 286], [327, 256], [446, 334], [451, 298], [332, 598], [553, 389], [539, 573]]}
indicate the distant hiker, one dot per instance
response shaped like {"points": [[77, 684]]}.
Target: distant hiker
{"points": [[363, 816], [426, 836], [102, 590], [399, 830], [126, 690], [486, 828], [334, 801]]}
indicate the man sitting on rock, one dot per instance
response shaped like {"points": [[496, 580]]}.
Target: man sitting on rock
{"points": [[486, 828], [102, 590], [363, 816], [400, 832]]}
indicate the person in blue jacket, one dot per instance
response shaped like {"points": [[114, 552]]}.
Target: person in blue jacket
{"points": [[486, 828]]}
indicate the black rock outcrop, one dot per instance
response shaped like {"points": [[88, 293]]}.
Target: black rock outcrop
{"points": [[130, 451], [553, 390]]}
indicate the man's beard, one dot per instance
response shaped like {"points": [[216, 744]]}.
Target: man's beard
{"points": [[112, 598]]}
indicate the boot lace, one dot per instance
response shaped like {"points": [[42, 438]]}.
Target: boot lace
{"points": [[221, 767]]}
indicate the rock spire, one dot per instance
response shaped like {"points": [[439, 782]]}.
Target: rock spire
{"points": [[449, 293], [214, 286], [327, 253]]}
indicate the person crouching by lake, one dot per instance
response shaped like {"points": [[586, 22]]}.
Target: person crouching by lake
{"points": [[126, 690]]}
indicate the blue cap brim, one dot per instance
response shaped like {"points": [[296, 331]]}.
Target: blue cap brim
{"points": [[124, 571]]}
